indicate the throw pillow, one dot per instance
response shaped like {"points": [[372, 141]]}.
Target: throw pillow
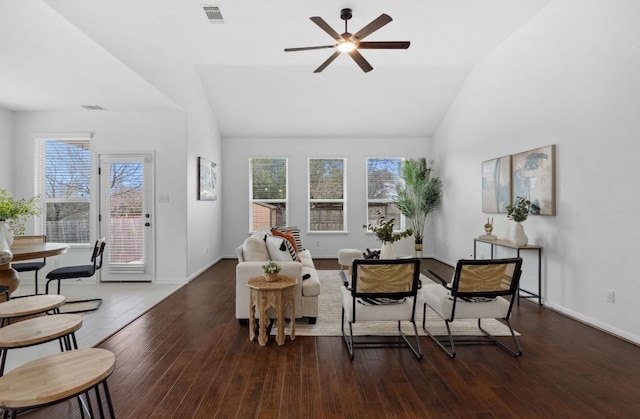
{"points": [[279, 251], [380, 301], [296, 233], [290, 238], [254, 249]]}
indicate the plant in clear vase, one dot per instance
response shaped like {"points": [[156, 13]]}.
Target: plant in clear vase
{"points": [[271, 270]]}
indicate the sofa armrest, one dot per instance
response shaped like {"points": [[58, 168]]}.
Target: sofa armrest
{"points": [[247, 270]]}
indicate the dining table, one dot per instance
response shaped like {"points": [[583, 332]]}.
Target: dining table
{"points": [[25, 251]]}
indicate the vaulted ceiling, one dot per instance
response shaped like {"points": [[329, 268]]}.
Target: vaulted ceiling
{"points": [[134, 55]]}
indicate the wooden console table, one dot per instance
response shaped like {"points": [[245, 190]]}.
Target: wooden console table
{"points": [[276, 294], [510, 245]]}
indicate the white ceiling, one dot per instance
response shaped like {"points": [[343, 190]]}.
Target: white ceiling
{"points": [[131, 55]]}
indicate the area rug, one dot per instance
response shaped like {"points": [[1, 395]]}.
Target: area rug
{"points": [[330, 317]]}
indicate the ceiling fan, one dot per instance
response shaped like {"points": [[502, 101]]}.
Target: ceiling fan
{"points": [[351, 43]]}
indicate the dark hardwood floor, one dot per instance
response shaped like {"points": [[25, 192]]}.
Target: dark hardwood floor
{"points": [[189, 358]]}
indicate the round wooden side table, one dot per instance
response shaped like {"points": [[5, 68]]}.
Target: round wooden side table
{"points": [[277, 294]]}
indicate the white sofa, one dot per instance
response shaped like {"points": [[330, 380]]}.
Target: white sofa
{"points": [[252, 255]]}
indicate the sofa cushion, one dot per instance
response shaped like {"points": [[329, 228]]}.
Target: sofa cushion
{"points": [[280, 250], [254, 249], [305, 258]]}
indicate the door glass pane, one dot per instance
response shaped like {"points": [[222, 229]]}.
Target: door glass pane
{"points": [[126, 213]]}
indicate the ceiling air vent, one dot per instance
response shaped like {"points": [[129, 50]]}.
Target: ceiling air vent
{"points": [[213, 14], [93, 108]]}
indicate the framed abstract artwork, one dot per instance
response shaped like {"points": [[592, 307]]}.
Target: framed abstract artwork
{"points": [[534, 177], [208, 180], [496, 185]]}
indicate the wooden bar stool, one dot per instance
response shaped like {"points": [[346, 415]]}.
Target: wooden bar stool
{"points": [[56, 378], [39, 330], [29, 306]]}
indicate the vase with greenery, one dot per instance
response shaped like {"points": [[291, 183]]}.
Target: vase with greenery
{"points": [[419, 193], [14, 212], [383, 230], [519, 213], [271, 270]]}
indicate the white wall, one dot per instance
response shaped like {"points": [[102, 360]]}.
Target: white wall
{"points": [[6, 150], [569, 77], [162, 132], [235, 186]]}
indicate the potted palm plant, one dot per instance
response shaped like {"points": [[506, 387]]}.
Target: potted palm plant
{"points": [[418, 195]]}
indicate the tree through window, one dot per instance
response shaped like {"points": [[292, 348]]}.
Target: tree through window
{"points": [[268, 191], [383, 174], [326, 194]]}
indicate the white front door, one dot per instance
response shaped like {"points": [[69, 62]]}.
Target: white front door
{"points": [[126, 216]]}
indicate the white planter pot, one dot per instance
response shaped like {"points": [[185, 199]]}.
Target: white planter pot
{"points": [[519, 238], [6, 233], [387, 251]]}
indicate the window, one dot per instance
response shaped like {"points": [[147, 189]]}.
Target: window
{"points": [[62, 181], [268, 193], [326, 194], [383, 174]]}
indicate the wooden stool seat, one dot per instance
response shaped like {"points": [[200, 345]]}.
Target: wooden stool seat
{"points": [[28, 306], [58, 377], [36, 331]]}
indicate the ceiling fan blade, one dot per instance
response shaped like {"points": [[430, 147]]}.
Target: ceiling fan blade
{"points": [[325, 27], [326, 63], [359, 59], [308, 48], [376, 24], [384, 45]]}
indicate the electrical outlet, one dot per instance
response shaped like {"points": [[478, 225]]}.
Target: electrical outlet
{"points": [[611, 296], [318, 244]]}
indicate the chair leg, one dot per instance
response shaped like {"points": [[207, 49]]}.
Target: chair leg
{"points": [[451, 352], [515, 352], [417, 349], [348, 341], [36, 276]]}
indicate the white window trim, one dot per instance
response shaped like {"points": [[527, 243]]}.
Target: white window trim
{"points": [[343, 200], [397, 226], [251, 200]]}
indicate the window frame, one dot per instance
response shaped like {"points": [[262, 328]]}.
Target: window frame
{"points": [[342, 200], [40, 182], [399, 225], [253, 200]]}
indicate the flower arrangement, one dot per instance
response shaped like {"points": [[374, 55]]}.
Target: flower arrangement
{"points": [[520, 210], [271, 270], [271, 267], [15, 211], [384, 230]]}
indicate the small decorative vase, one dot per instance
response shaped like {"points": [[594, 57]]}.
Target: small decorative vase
{"points": [[6, 233], [387, 251], [519, 238], [270, 277]]}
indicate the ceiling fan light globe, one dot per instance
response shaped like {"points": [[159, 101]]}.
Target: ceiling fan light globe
{"points": [[346, 46]]}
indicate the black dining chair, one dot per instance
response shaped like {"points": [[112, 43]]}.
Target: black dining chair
{"points": [[30, 266], [78, 271]]}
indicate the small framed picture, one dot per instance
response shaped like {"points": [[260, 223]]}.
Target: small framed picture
{"points": [[208, 180]]}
